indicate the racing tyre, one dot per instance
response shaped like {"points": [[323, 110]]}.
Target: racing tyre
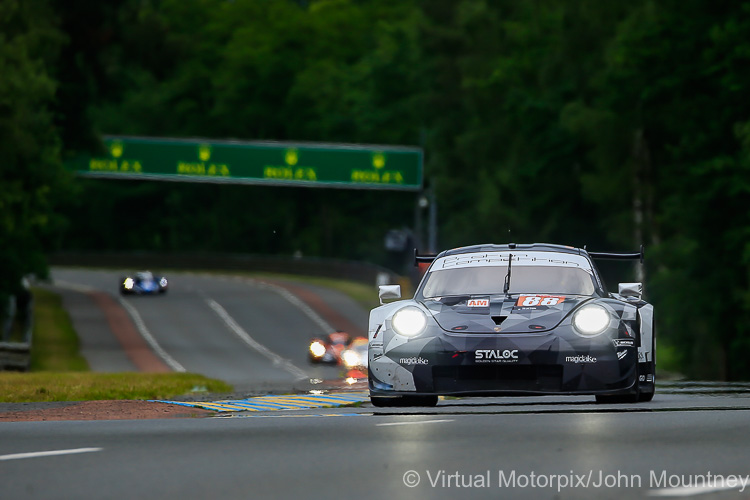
{"points": [[645, 397], [403, 401], [618, 399], [650, 387]]}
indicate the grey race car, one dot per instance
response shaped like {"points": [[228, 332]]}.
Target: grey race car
{"points": [[490, 320]]}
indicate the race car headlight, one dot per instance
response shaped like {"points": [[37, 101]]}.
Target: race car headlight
{"points": [[128, 283], [317, 349], [591, 320], [351, 358], [409, 321]]}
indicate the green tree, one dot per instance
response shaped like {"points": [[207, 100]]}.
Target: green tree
{"points": [[665, 127], [32, 180]]}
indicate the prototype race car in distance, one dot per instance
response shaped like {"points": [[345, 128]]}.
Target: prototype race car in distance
{"points": [[512, 320], [143, 283], [328, 349]]}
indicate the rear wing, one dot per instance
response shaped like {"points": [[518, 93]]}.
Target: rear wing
{"points": [[423, 259], [618, 256], [429, 258]]}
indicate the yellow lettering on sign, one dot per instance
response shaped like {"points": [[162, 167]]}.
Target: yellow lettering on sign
{"points": [[365, 176], [290, 173], [108, 165], [200, 168], [305, 174], [270, 172], [374, 177], [187, 168], [393, 177]]}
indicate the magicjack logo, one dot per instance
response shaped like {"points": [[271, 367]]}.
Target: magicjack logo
{"points": [[413, 361], [580, 359]]}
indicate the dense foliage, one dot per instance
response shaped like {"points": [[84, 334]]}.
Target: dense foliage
{"points": [[574, 121], [31, 176]]}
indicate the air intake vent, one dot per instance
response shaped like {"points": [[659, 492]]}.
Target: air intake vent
{"points": [[499, 319]]}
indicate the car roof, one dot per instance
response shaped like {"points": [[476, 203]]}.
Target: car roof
{"points": [[528, 247], [537, 247]]}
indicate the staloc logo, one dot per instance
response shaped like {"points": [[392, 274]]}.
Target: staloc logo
{"points": [[416, 360], [496, 355], [580, 359]]}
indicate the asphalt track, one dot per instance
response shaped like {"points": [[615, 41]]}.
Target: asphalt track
{"points": [[502, 447], [249, 333], [691, 441]]}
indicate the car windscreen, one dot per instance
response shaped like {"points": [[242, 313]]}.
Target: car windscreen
{"points": [[489, 280]]}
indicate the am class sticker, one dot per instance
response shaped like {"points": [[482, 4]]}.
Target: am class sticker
{"points": [[478, 303]]}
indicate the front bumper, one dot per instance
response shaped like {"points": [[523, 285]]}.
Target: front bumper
{"points": [[556, 362]]}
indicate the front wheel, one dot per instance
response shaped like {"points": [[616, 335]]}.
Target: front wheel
{"points": [[648, 389], [633, 397], [619, 399], [403, 401]]}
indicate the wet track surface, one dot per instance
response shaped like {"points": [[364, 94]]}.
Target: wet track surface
{"points": [[196, 324], [478, 448], [693, 439]]}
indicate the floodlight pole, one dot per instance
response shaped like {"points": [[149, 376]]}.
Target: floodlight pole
{"points": [[432, 222]]}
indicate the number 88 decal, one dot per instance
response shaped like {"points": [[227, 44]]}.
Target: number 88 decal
{"points": [[539, 300]]}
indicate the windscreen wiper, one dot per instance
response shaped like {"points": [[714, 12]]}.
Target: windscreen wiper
{"points": [[506, 287]]}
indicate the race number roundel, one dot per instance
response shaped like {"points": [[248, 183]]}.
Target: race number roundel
{"points": [[539, 300]]}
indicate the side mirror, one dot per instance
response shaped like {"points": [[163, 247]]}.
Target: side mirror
{"points": [[630, 290], [389, 292]]}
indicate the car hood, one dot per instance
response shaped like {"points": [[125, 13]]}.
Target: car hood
{"points": [[526, 313]]}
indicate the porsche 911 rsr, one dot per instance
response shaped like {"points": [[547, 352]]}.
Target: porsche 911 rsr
{"points": [[512, 320], [143, 283]]}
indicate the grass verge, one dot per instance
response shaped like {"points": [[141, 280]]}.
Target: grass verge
{"points": [[54, 341], [86, 386], [60, 373]]}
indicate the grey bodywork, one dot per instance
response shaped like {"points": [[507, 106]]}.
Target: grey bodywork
{"points": [[492, 344]]}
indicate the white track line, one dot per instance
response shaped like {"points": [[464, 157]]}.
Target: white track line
{"points": [[37, 454], [289, 296], [141, 326], [689, 491], [414, 423], [137, 320], [307, 310], [245, 337]]}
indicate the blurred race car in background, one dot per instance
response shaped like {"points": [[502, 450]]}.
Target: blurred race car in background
{"points": [[143, 283], [331, 348], [355, 356]]}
